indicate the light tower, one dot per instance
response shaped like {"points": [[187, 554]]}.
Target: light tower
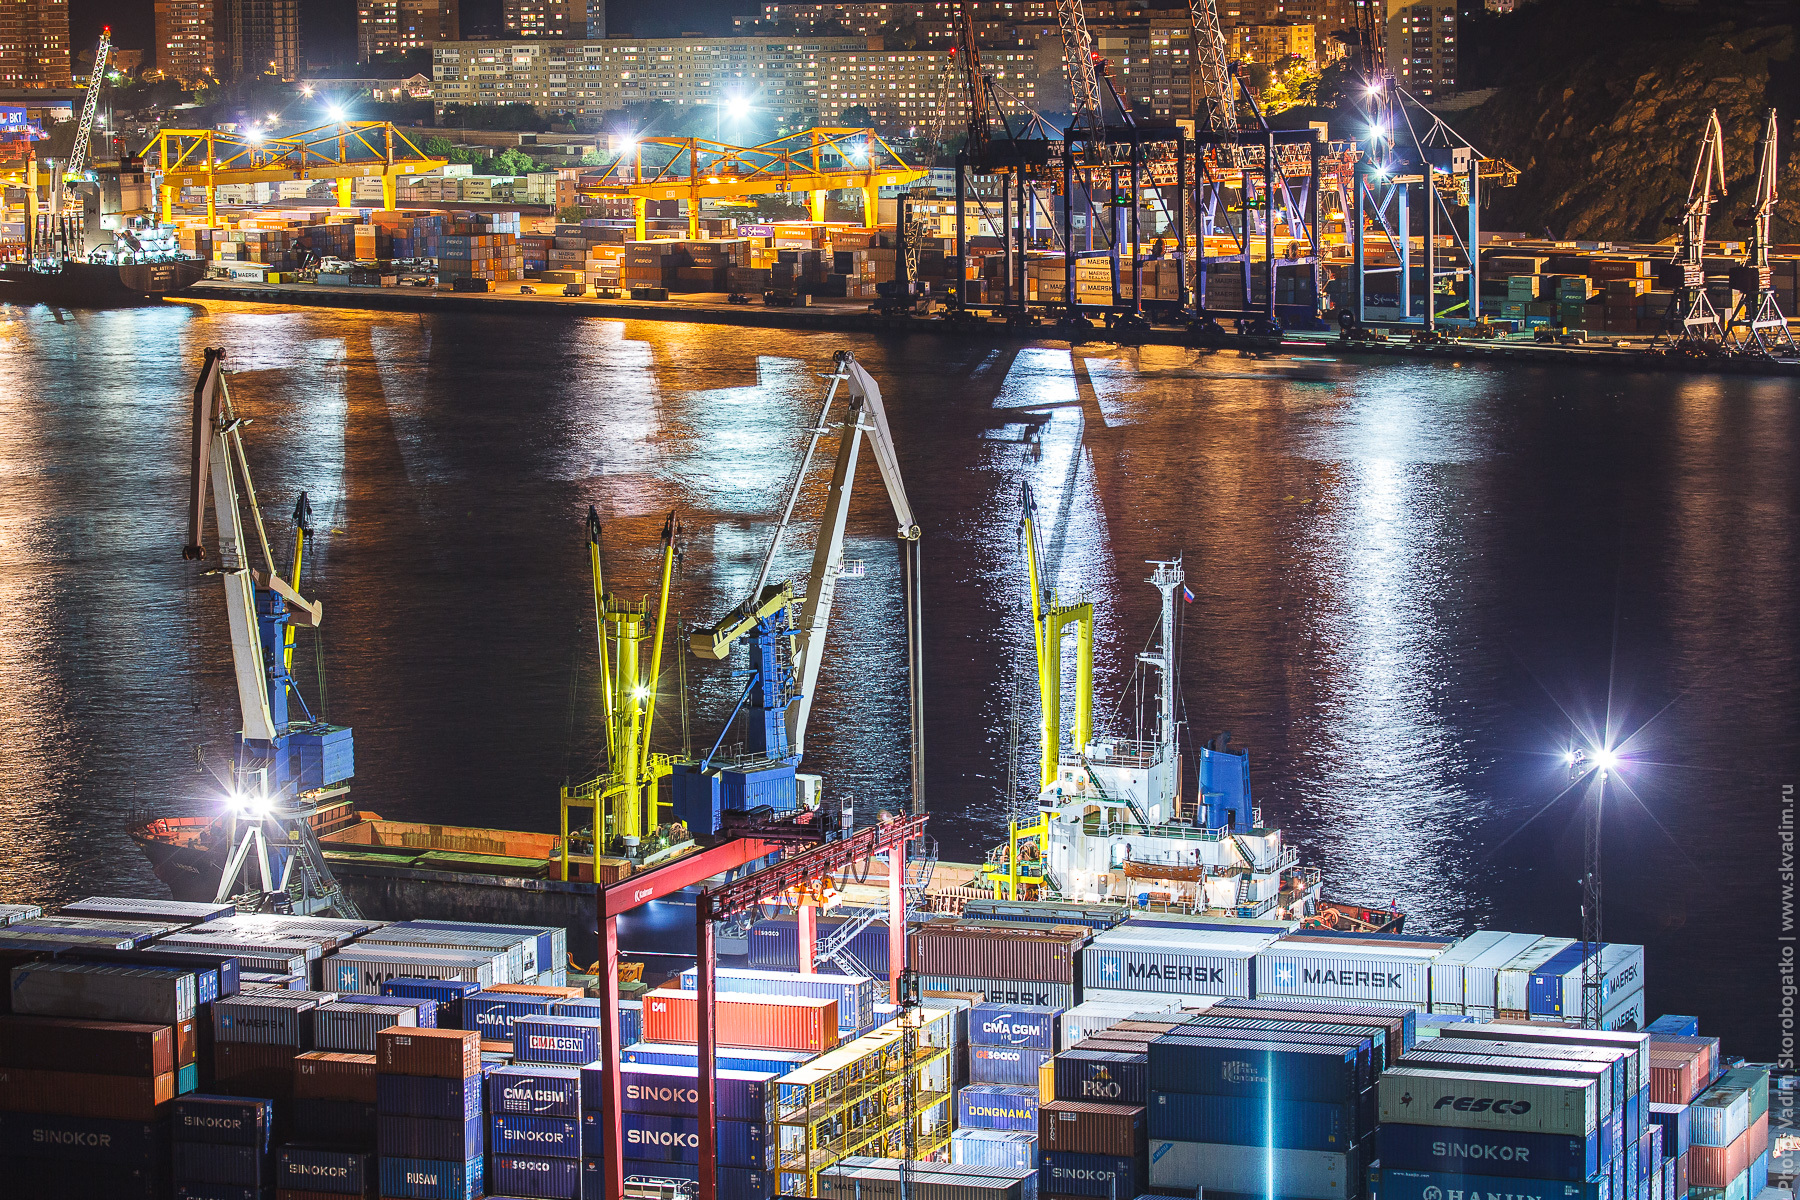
{"points": [[1597, 767]]}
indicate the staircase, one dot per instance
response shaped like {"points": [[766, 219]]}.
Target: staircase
{"points": [[1243, 849], [1243, 892]]}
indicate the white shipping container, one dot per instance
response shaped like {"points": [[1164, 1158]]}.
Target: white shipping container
{"points": [[1463, 976], [1201, 970], [18, 912], [1379, 973], [1637, 1045], [1557, 1104], [363, 968], [1147, 1001], [276, 1018], [1512, 982], [351, 1027], [1625, 1013], [510, 947], [1091, 1016], [1446, 972], [1621, 971], [1251, 1170]]}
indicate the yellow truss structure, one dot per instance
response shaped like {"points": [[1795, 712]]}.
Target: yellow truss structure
{"points": [[343, 151], [814, 161]]}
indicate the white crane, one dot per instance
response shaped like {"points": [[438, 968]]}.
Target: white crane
{"points": [[1759, 316], [90, 107], [1692, 318]]}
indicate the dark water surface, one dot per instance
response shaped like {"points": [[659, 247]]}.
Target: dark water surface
{"points": [[1407, 580]]}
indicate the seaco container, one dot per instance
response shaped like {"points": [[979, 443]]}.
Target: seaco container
{"points": [[855, 993], [1395, 1184], [536, 1175], [1291, 1069], [989, 1106], [675, 1092], [1085, 1128], [534, 1091], [1030, 1026], [1488, 1152], [1253, 1170], [1285, 1124], [1103, 1076], [789, 1022], [1100, 1175], [1525, 1104], [1013, 1065]]}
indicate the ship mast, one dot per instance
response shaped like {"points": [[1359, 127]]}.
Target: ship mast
{"points": [[1168, 576]]}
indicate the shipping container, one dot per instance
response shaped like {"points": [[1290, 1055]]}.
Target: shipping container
{"points": [[971, 949], [1529, 1104], [1032, 1027], [537, 1091], [1512, 980], [1091, 1017], [554, 1137], [1253, 1171], [1005, 991], [109, 1097], [330, 1075], [728, 1058], [315, 1169], [775, 946], [675, 1091], [1602, 1073], [1005, 1109], [1396, 1184], [565, 1040], [553, 1178], [1292, 1069], [1105, 1176], [1638, 1044], [855, 993], [1350, 972], [1615, 1059], [366, 969], [439, 1053], [1011, 1150], [654, 1136], [733, 1183], [1488, 1151], [267, 1019], [1719, 1117], [427, 1096], [226, 1120], [493, 1013], [552, 940], [424, 1012], [1369, 1044], [103, 992], [429, 1137], [509, 951], [346, 1124], [1449, 978], [789, 1022], [1287, 1124], [448, 993], [352, 1027], [185, 912], [1103, 1076], [1173, 961], [1678, 1026], [1399, 1020], [211, 1162], [95, 1047], [1011, 1065], [83, 1139], [420, 1179], [1081, 1127]]}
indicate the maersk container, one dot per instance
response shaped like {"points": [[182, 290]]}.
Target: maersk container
{"points": [[103, 992], [226, 1120], [448, 993], [1103, 1076], [208, 1162], [1623, 1013], [366, 968], [352, 1027], [493, 1013], [1447, 971], [1012, 1065], [1348, 972], [1291, 1069], [1008, 1149], [20, 912], [1397, 1184], [1173, 966], [741, 1144], [1488, 1152], [1253, 1170], [266, 1019], [427, 1179], [790, 1022], [1512, 981], [1454, 1100], [428, 1137], [675, 1091], [83, 1139], [1100, 1175], [775, 946], [1004, 1109], [729, 1058], [553, 1137], [1005, 991], [1030, 1026], [428, 1096], [1719, 1116], [551, 1178], [1235, 1120], [570, 1041], [534, 1091], [311, 1169], [855, 993]]}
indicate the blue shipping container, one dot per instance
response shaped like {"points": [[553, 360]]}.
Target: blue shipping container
{"points": [[855, 996], [425, 1011], [730, 1058], [207, 1162], [1100, 1175], [1292, 1071], [563, 1040], [675, 1091], [651, 1137], [448, 993], [544, 1137], [775, 946], [1674, 1026], [534, 1091], [427, 1137], [1395, 1184], [428, 1179], [226, 1120], [420, 1096], [990, 1106], [1103, 1077], [309, 1169], [1544, 992], [1007, 1150], [493, 1013], [342, 1123], [1491, 1152], [1029, 1025], [1236, 1121], [551, 1178], [83, 1139], [1013, 1065]]}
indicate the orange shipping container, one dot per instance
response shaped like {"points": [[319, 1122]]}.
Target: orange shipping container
{"points": [[1717, 1166], [109, 1097], [1677, 1073], [778, 1022]]}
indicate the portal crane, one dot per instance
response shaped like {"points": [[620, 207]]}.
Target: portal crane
{"points": [[62, 233], [284, 769], [1078, 61], [1759, 315], [982, 106], [1213, 64], [1692, 319]]}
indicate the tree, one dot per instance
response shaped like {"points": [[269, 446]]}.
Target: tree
{"points": [[571, 213], [857, 117], [514, 162], [438, 147], [591, 158]]}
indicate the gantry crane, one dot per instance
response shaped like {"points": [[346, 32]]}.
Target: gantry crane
{"points": [[1078, 62], [1759, 317], [1692, 321], [286, 772], [786, 634], [1212, 63]]}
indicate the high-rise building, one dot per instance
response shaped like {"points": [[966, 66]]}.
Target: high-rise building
{"points": [[34, 44], [395, 26], [545, 18], [596, 18], [1421, 45], [189, 42], [264, 38]]}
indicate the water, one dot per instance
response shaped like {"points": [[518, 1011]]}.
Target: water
{"points": [[1407, 581]]}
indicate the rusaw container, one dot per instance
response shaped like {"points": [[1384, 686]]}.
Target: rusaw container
{"points": [[423, 1179]]}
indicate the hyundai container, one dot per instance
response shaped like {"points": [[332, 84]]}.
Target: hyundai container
{"points": [[537, 1091], [855, 993], [1188, 1166], [555, 1137], [1397, 1184], [790, 1022], [1488, 1151], [1528, 1104]]}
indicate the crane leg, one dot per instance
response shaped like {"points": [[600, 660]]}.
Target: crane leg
{"points": [[344, 193], [817, 201], [871, 208], [388, 189]]}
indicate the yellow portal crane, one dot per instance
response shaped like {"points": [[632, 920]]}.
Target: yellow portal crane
{"points": [[343, 150], [623, 797], [814, 161]]}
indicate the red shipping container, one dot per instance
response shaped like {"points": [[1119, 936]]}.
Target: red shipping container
{"points": [[1759, 1138], [245, 1069], [778, 1022], [1681, 1175], [1082, 1128], [100, 1047], [1677, 1073], [434, 1053], [1717, 1166], [187, 1042], [327, 1075], [109, 1097]]}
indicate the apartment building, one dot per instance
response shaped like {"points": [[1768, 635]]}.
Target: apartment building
{"points": [[262, 38], [392, 26], [1272, 43], [190, 43], [1421, 45], [34, 44], [544, 18]]}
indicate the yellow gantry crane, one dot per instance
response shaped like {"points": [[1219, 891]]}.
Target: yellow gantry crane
{"points": [[1051, 620], [623, 798], [343, 151], [814, 161]]}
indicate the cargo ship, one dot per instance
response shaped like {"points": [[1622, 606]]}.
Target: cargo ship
{"points": [[97, 285]]}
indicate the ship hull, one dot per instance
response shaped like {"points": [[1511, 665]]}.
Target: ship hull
{"points": [[93, 285]]}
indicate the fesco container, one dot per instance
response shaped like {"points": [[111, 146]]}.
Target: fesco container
{"points": [[1103, 1076], [1488, 1152], [83, 1139], [226, 1120], [428, 1137], [1012, 1065], [675, 1091], [1032, 1027], [534, 1091], [1254, 1170], [314, 1169], [1013, 1150], [790, 1022], [425, 1096], [1101, 1175], [1602, 1073], [855, 993], [1580, 1057], [493, 1013], [1083, 1128], [1397, 1184], [553, 1178], [1292, 1070], [1526, 1104], [730, 1058], [554, 1137], [568, 1041], [96, 1047], [991, 1106], [426, 1179], [1258, 1121]]}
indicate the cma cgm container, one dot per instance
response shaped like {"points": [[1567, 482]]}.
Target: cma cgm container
{"points": [[790, 1022], [855, 993], [571, 1041], [1253, 1170], [1527, 1104], [1031, 1026], [1395, 1184], [493, 1013], [534, 1091], [1488, 1152], [1382, 972]]}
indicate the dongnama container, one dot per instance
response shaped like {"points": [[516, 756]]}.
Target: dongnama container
{"points": [[987, 1106], [1534, 1104], [1254, 1170]]}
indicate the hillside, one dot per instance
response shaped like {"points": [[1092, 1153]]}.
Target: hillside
{"points": [[1602, 106]]}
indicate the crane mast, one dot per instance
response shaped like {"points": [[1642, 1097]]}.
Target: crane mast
{"points": [[1691, 315], [90, 106], [1760, 315], [1212, 63], [1078, 60]]}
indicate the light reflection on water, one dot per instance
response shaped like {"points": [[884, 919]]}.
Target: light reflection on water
{"points": [[1399, 575]]}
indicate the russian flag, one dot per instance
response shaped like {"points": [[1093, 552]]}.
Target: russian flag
{"points": [[1187, 593]]}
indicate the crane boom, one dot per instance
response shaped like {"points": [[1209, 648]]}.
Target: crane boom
{"points": [[1212, 64], [1078, 61], [90, 107]]}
